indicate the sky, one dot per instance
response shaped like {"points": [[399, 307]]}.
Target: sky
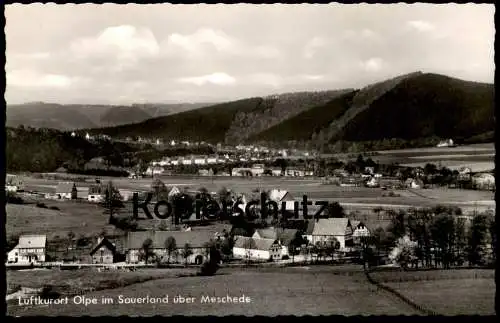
{"points": [[124, 54]]}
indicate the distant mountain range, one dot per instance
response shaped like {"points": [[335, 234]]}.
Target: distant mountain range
{"points": [[78, 116], [410, 110]]}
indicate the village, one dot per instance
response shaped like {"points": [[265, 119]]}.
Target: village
{"points": [[339, 237]]}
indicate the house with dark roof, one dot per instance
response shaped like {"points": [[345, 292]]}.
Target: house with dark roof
{"points": [[197, 240], [67, 190], [30, 249], [103, 252], [259, 249], [283, 236], [338, 228]]}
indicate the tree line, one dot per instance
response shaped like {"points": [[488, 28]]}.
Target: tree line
{"points": [[429, 239]]}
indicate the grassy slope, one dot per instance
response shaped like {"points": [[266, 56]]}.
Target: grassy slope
{"points": [[81, 218], [205, 124], [293, 291], [302, 126], [424, 106]]}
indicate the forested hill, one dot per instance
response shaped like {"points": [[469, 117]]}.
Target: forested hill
{"points": [[82, 116], [418, 107]]}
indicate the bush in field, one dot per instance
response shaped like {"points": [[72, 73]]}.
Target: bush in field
{"points": [[55, 208], [12, 198], [41, 205], [49, 292]]}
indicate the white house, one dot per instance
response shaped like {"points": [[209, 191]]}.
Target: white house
{"points": [[67, 190], [155, 170], [276, 171], [96, 193], [256, 249], [200, 161], [464, 174], [338, 228], [359, 230], [257, 170], [283, 236], [212, 160], [187, 162], [30, 249], [295, 172], [241, 171]]}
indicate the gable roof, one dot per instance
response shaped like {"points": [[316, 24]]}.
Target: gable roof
{"points": [[65, 187], [254, 243], [103, 242], [331, 227], [29, 241], [196, 238], [278, 195], [174, 191], [267, 233]]}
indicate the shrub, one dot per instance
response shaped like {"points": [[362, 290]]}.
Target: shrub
{"points": [[55, 208], [14, 199], [49, 292], [41, 205]]}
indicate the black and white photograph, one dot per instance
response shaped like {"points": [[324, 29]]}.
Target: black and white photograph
{"points": [[254, 160]]}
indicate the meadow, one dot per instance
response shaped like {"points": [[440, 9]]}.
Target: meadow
{"points": [[310, 290], [287, 291]]}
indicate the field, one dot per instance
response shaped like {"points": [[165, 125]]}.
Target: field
{"points": [[290, 291], [314, 290], [69, 282], [449, 297], [81, 218], [447, 292], [480, 157]]}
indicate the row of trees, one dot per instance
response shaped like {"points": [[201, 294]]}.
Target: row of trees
{"points": [[436, 240]]}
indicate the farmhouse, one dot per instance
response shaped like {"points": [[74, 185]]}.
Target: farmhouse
{"points": [[276, 171], [339, 228], [241, 172], [30, 249], [256, 249], [155, 170], [257, 170], [96, 193], [295, 172], [195, 238], [359, 230], [103, 252], [483, 181], [464, 174], [67, 190], [283, 236]]}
